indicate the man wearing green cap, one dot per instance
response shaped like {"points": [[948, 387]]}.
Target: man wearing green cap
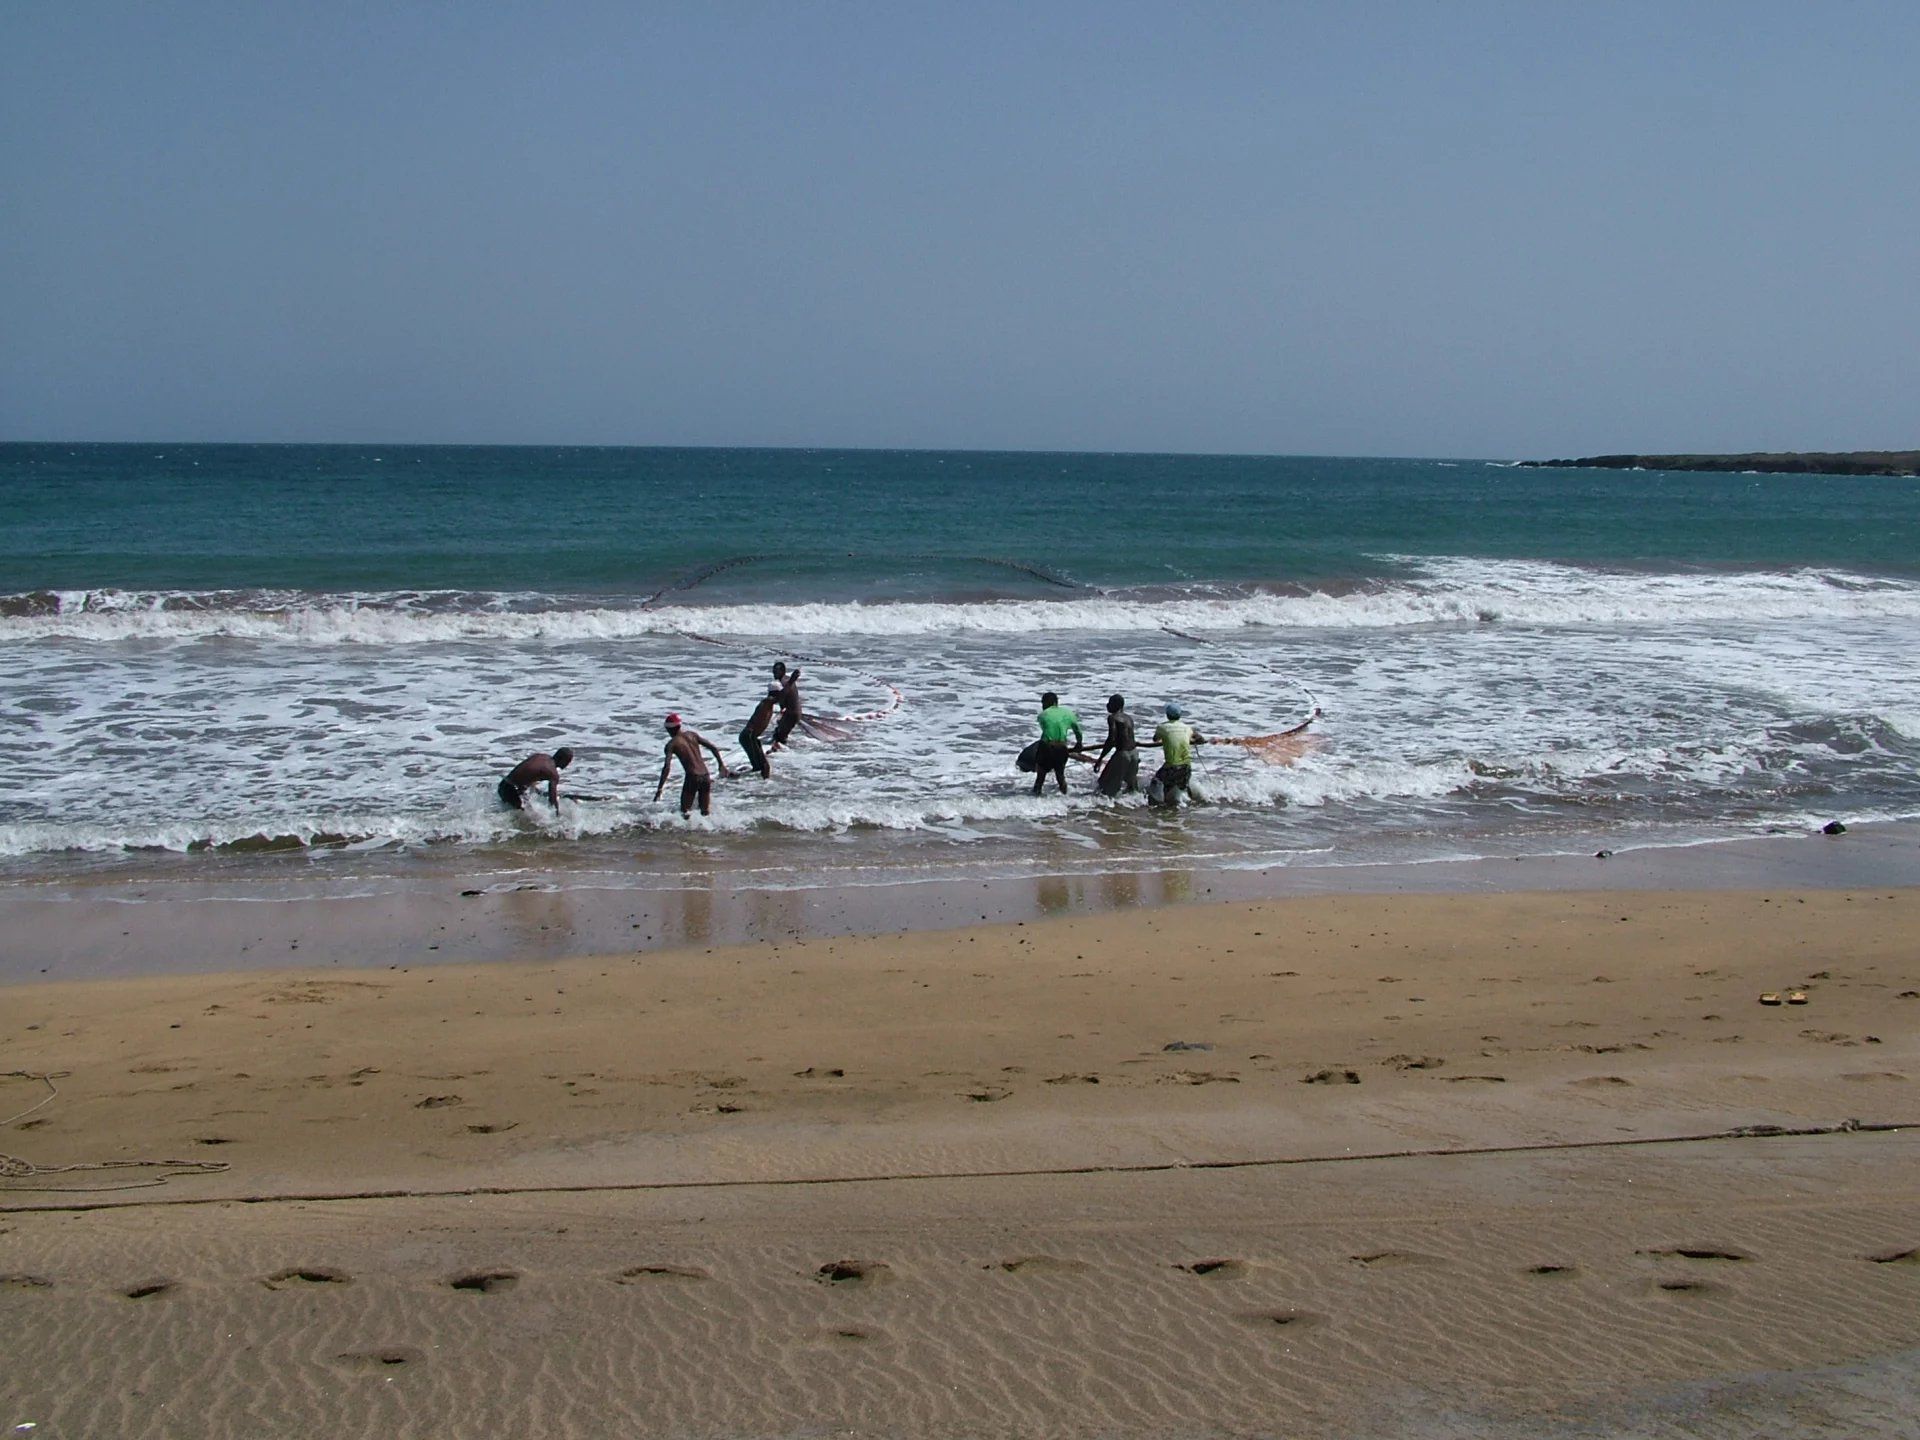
{"points": [[1174, 778]]}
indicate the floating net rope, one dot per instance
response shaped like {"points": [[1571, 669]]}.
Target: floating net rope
{"points": [[1281, 747], [13, 1168]]}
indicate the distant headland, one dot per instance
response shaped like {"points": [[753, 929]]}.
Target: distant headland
{"points": [[1846, 462]]}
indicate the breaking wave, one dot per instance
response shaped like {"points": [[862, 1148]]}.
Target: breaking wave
{"points": [[1442, 592]]}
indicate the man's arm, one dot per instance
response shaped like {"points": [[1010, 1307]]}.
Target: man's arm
{"points": [[716, 755], [666, 768], [553, 792]]}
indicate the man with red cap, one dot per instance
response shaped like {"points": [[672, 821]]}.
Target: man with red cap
{"points": [[697, 784]]}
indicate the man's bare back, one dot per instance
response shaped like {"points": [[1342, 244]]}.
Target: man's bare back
{"points": [[697, 786], [537, 769]]}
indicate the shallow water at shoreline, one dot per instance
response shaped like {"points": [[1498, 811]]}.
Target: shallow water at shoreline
{"points": [[122, 924]]}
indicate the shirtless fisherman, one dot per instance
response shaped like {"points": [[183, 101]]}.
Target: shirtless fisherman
{"points": [[757, 723], [698, 784], [1122, 772], [787, 686], [1173, 779], [537, 769]]}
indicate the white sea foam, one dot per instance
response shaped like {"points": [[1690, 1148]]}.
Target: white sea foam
{"points": [[1471, 697], [1438, 592]]}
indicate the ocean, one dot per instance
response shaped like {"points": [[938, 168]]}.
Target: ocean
{"points": [[307, 666]]}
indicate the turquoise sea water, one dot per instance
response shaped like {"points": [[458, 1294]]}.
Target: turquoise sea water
{"points": [[609, 521], [315, 660]]}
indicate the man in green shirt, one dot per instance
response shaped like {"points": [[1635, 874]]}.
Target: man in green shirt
{"points": [[1176, 740], [1056, 723]]}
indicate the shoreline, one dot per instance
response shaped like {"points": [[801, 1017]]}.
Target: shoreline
{"points": [[105, 927]]}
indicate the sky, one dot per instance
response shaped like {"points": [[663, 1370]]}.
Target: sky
{"points": [[1435, 229]]}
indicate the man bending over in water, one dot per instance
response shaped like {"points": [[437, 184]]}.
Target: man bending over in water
{"points": [[698, 784], [532, 771]]}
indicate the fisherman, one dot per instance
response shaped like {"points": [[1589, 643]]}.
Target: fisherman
{"points": [[536, 769], [1056, 722], [787, 696], [1176, 740], [756, 726], [698, 784], [1122, 772]]}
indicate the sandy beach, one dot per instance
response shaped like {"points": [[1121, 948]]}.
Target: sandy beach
{"points": [[1514, 1163]]}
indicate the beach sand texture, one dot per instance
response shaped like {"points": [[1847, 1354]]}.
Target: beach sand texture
{"points": [[1426, 1165]]}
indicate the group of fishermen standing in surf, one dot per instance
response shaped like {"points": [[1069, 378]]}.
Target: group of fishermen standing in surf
{"points": [[1116, 765]]}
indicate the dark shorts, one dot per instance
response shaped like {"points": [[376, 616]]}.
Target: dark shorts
{"points": [[785, 727], [756, 755], [1168, 782], [695, 788], [1051, 760], [512, 794], [1121, 772]]}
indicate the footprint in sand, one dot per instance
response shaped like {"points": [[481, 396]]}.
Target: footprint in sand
{"points": [[304, 1275], [1332, 1077], [1596, 1082], [1477, 1079], [1289, 1320], [1218, 1269], [1897, 1257], [852, 1273], [1698, 1252], [660, 1274], [147, 1289], [1552, 1271], [1393, 1260], [1686, 1287], [25, 1282], [1200, 1077], [378, 1359], [1037, 1265], [485, 1282], [842, 1336], [1074, 1080], [985, 1095]]}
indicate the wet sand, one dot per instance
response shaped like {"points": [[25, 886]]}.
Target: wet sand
{"points": [[155, 920], [1425, 1165]]}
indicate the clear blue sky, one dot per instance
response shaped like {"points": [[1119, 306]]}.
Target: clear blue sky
{"points": [[1470, 229]]}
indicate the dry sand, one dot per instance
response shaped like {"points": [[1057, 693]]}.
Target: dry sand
{"points": [[1347, 1165]]}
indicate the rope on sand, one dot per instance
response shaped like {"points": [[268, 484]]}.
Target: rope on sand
{"points": [[13, 1167]]}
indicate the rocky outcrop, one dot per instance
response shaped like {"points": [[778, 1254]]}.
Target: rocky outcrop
{"points": [[1848, 462]]}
